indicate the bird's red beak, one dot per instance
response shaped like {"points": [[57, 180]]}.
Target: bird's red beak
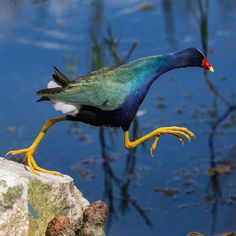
{"points": [[206, 65]]}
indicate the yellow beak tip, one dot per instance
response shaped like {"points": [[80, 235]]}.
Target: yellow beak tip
{"points": [[211, 69]]}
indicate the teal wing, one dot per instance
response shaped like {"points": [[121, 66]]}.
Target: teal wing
{"points": [[101, 71], [96, 73], [106, 90]]}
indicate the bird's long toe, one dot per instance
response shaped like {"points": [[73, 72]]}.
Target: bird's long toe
{"points": [[30, 160], [38, 168], [182, 129], [180, 138], [16, 152], [153, 147], [180, 134]]}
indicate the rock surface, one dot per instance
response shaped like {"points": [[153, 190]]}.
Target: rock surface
{"points": [[28, 202]]}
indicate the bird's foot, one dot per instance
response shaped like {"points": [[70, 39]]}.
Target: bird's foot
{"points": [[154, 145], [30, 160], [179, 132]]}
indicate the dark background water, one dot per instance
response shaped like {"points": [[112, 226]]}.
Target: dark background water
{"points": [[182, 189]]}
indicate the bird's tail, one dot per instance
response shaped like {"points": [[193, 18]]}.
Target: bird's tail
{"points": [[59, 83], [60, 78]]}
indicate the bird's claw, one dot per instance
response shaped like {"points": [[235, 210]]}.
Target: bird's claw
{"points": [[179, 132], [180, 138], [154, 144], [30, 160], [16, 152]]}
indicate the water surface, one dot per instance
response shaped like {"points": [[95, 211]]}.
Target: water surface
{"points": [[172, 193]]}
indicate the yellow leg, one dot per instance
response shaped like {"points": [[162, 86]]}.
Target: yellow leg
{"points": [[30, 150], [179, 132]]}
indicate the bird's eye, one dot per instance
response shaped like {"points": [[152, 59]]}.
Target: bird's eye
{"points": [[200, 57]]}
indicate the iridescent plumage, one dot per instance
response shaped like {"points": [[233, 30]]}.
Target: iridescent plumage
{"points": [[115, 94], [112, 96]]}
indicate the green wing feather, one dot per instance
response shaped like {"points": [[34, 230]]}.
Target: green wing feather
{"points": [[101, 71], [60, 78], [106, 89]]}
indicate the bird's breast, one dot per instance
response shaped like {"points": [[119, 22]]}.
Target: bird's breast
{"points": [[132, 103]]}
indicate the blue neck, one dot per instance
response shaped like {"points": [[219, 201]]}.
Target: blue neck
{"points": [[170, 62], [148, 69], [144, 72]]}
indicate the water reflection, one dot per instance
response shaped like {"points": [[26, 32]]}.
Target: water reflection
{"points": [[214, 192], [112, 181], [169, 22], [99, 47]]}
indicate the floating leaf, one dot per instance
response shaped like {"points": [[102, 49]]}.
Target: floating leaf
{"points": [[194, 234], [169, 192], [226, 169], [11, 129], [146, 7]]}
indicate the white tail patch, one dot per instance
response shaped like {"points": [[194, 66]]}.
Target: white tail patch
{"points": [[66, 108], [53, 84]]}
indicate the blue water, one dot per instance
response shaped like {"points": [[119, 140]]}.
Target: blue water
{"points": [[37, 35]]}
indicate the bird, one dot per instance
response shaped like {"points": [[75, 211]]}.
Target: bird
{"points": [[111, 96]]}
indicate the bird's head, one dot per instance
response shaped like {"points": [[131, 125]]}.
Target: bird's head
{"points": [[194, 57]]}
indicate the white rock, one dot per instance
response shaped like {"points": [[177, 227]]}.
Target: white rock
{"points": [[28, 201]]}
